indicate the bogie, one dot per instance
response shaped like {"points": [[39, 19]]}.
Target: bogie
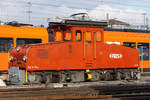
{"points": [[47, 77]]}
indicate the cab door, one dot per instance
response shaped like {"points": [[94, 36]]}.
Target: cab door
{"points": [[88, 48], [91, 38]]}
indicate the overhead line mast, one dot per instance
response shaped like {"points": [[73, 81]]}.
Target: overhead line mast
{"points": [[29, 12]]}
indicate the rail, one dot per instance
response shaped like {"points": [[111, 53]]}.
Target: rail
{"points": [[122, 92]]}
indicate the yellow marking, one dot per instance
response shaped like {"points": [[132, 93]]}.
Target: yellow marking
{"points": [[89, 76], [95, 46], [84, 46], [26, 76], [87, 70]]}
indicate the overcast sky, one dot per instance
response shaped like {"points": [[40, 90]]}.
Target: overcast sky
{"points": [[130, 11]]}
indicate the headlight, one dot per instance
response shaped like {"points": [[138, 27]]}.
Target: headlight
{"points": [[18, 48], [24, 58], [10, 58]]}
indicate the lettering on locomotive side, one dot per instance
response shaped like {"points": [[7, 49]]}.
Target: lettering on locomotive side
{"points": [[33, 67], [115, 56]]}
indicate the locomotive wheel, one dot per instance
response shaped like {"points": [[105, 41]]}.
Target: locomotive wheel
{"points": [[135, 75], [119, 76], [95, 76], [62, 77], [127, 75], [101, 75], [48, 78], [38, 79], [74, 78], [78, 76], [108, 76]]}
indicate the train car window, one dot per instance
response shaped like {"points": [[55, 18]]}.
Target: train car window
{"points": [[22, 41], [129, 44], [67, 36], [98, 36], [59, 36], [143, 49], [6, 44], [78, 36], [88, 37]]}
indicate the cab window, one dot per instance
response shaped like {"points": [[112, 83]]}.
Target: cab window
{"points": [[22, 41], [143, 49], [50, 35], [58, 36], [98, 36], [129, 44], [88, 37], [78, 35], [67, 36], [6, 44]]}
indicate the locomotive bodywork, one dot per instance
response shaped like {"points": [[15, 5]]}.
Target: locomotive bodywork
{"points": [[83, 56], [137, 39]]}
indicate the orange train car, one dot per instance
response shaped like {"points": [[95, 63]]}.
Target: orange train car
{"points": [[137, 39], [12, 36], [77, 53]]}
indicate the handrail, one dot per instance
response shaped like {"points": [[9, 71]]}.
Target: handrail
{"points": [[94, 45]]}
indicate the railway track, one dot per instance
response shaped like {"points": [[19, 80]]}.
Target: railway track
{"points": [[122, 89], [133, 96], [50, 94], [97, 92]]}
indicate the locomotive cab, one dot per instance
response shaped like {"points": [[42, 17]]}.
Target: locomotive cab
{"points": [[84, 34]]}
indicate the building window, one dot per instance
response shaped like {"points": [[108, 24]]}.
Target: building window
{"points": [[129, 44], [143, 49], [78, 36], [6, 44], [22, 41], [98, 36]]}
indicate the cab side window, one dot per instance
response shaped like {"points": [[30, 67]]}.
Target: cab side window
{"points": [[98, 36], [50, 35], [88, 37], [58, 36], [78, 35], [68, 36]]}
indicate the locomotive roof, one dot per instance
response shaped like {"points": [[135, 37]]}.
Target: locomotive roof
{"points": [[80, 23]]}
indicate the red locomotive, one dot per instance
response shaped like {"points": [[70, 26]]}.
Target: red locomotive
{"points": [[76, 53]]}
